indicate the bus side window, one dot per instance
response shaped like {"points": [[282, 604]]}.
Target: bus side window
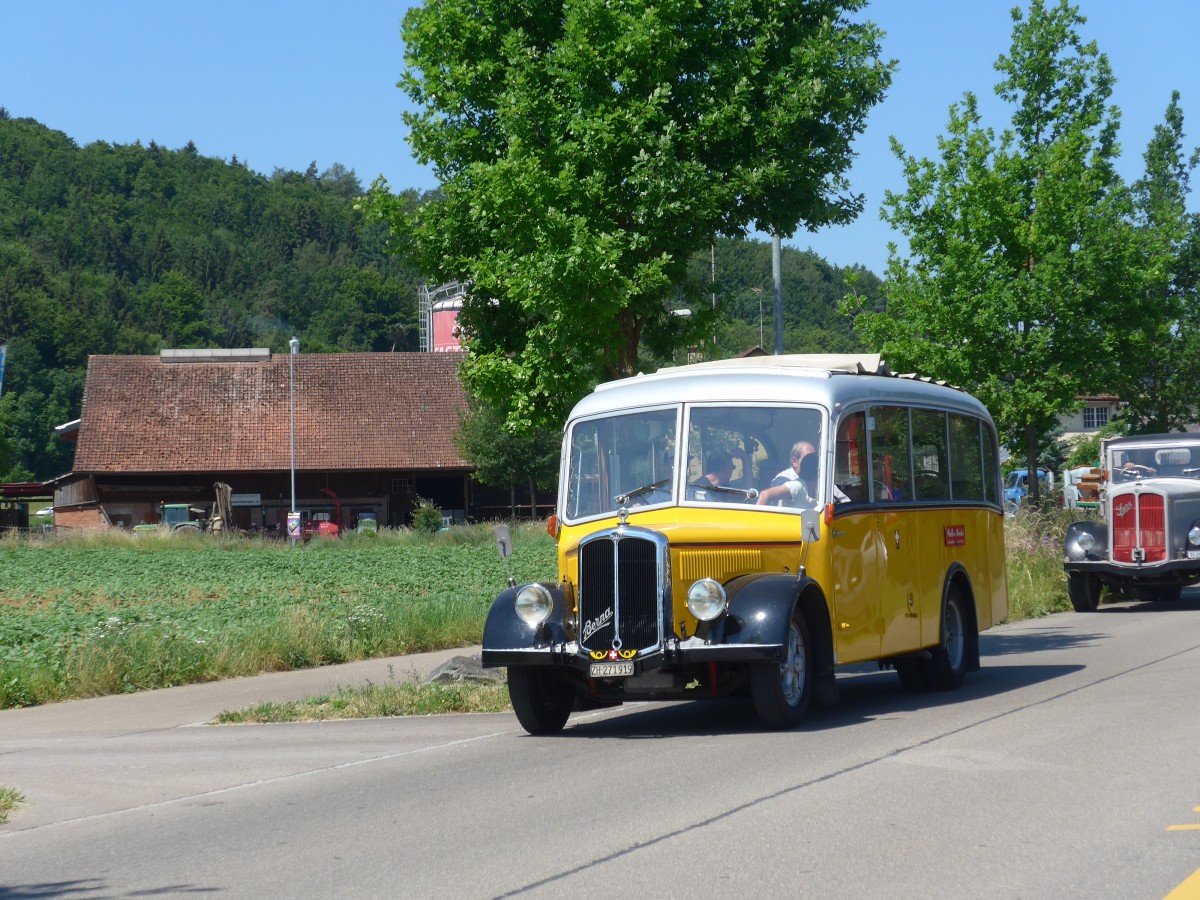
{"points": [[850, 457], [930, 460], [891, 474]]}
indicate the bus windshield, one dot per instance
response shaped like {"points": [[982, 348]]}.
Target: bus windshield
{"points": [[621, 460], [729, 454]]}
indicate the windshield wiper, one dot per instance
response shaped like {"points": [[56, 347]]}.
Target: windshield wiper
{"points": [[748, 493], [638, 491]]}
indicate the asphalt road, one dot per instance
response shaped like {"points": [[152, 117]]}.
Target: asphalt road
{"points": [[1068, 767]]}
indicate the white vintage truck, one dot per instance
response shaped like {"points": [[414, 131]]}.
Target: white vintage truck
{"points": [[1148, 542]]}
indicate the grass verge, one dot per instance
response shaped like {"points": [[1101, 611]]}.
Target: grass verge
{"points": [[378, 700], [10, 799]]}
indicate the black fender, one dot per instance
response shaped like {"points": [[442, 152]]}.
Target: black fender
{"points": [[505, 630], [760, 612], [957, 575], [1098, 531]]}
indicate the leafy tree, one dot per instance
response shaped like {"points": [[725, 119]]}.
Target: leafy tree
{"points": [[588, 149], [505, 459], [1019, 280], [1163, 392]]}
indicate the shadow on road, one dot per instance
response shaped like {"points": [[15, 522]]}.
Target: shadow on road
{"points": [[1061, 637], [866, 694]]}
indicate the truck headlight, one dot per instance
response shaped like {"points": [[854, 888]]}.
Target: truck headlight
{"points": [[706, 599], [1194, 536], [534, 604], [1086, 542]]}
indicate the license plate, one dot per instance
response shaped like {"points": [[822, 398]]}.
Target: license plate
{"points": [[1193, 554], [612, 669]]}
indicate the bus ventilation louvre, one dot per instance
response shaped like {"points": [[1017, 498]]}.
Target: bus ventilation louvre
{"points": [[619, 594], [1139, 528]]}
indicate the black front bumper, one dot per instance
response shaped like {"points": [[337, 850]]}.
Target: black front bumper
{"points": [[1167, 572]]}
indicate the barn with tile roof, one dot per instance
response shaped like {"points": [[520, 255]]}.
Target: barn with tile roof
{"points": [[373, 432]]}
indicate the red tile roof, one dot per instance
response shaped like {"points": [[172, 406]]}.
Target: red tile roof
{"points": [[354, 411]]}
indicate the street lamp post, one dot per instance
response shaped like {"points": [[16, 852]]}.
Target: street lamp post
{"points": [[777, 277], [293, 524]]}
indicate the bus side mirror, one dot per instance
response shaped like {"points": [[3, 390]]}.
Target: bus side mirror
{"points": [[810, 525]]}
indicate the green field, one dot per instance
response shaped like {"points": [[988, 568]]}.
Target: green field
{"points": [[84, 617]]}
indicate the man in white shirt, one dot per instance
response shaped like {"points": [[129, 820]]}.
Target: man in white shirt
{"points": [[797, 484]]}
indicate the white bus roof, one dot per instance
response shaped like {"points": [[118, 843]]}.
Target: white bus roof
{"points": [[825, 379]]}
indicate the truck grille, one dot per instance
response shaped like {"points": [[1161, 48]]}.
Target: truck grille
{"points": [[1139, 524], [620, 578]]}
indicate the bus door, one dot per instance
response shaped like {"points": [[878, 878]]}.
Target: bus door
{"points": [[896, 523], [855, 552]]}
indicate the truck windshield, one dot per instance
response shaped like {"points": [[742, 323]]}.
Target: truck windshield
{"points": [[621, 460], [1174, 461]]}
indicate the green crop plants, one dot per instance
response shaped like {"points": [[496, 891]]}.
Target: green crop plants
{"points": [[85, 616]]}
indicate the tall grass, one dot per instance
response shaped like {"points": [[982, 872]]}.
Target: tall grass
{"points": [[1033, 541]]}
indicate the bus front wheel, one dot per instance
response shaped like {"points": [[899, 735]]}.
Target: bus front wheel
{"points": [[781, 690], [540, 697]]}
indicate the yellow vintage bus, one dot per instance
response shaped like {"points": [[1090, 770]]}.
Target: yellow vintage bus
{"points": [[748, 526]]}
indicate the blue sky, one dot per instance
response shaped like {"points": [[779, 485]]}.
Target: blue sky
{"points": [[280, 84]]}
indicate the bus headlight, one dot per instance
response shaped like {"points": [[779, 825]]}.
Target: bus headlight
{"points": [[1194, 536], [534, 604], [706, 599]]}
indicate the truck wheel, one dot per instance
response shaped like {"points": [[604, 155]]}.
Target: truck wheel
{"points": [[781, 690], [540, 697], [1084, 591], [948, 661]]}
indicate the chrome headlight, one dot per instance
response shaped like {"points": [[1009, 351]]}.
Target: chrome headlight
{"points": [[534, 604], [706, 599], [1086, 542], [1194, 536]]}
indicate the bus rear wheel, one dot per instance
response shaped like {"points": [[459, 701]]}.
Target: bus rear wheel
{"points": [[947, 664]]}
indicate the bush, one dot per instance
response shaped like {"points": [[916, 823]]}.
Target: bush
{"points": [[426, 517]]}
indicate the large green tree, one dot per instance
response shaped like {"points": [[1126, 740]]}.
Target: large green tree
{"points": [[587, 149], [1021, 273], [1163, 392]]}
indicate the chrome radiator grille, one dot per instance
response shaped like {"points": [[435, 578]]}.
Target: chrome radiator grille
{"points": [[620, 578]]}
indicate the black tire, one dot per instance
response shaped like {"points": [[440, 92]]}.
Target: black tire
{"points": [[1084, 591], [914, 675], [948, 661], [540, 697], [782, 690]]}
